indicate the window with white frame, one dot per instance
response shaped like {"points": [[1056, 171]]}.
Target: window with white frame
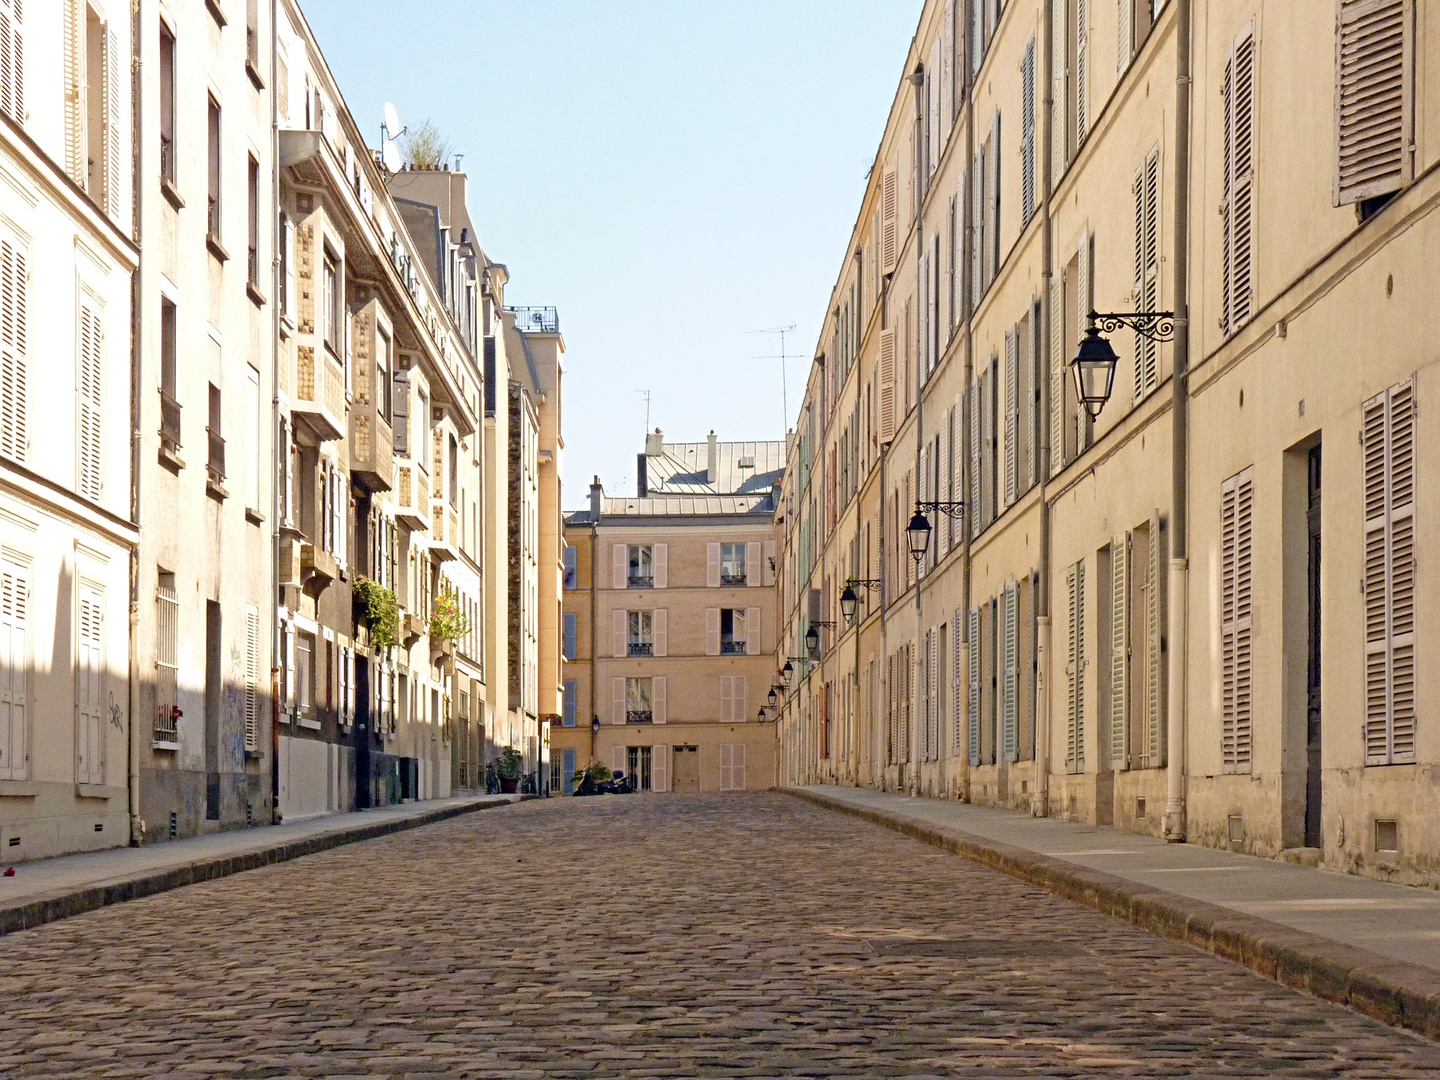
{"points": [[732, 564], [638, 701], [641, 567]]}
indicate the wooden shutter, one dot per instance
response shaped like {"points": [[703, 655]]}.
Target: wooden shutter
{"points": [[1010, 672], [737, 767], [1388, 477], [14, 399], [753, 638], [1374, 76], [569, 704], [1075, 670], [1147, 269], [1236, 499], [252, 680], [944, 482], [973, 709], [114, 59], [886, 396], [568, 770], [979, 177], [726, 760], [754, 553], [740, 697], [12, 61], [767, 569], [1012, 415], [889, 221], [726, 700], [957, 468], [712, 631], [89, 398], [620, 623], [947, 72], [1237, 206], [1154, 749], [287, 633], [76, 66], [992, 184], [1057, 373], [291, 298], [620, 566], [660, 768], [712, 566], [957, 683], [15, 658], [661, 562], [932, 95], [1027, 133], [974, 499], [660, 631], [348, 704], [1082, 68], [618, 759], [1119, 697], [1125, 34], [1059, 86], [89, 688], [932, 717], [617, 701]]}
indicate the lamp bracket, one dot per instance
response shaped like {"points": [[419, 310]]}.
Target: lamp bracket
{"points": [[868, 583], [949, 509], [822, 622], [1155, 325]]}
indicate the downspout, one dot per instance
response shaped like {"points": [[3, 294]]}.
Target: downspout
{"points": [[1040, 807], [1179, 412], [277, 446], [922, 172], [137, 823], [967, 530], [594, 599]]}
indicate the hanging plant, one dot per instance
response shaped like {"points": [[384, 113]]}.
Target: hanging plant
{"points": [[379, 611], [447, 621]]}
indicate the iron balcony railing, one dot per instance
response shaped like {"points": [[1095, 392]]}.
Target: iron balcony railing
{"points": [[732, 648], [169, 421], [537, 320], [216, 462], [638, 716], [639, 581], [641, 648], [732, 578]]}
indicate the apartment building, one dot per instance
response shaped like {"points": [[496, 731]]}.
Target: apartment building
{"points": [[669, 622], [68, 255], [1121, 614], [379, 387]]}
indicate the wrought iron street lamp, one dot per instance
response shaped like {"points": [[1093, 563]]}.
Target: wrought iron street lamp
{"points": [[772, 697], [850, 599], [812, 635], [789, 669], [918, 531], [1094, 363]]}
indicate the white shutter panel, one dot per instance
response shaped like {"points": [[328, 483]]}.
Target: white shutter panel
{"points": [[957, 468], [1119, 703], [1012, 415], [712, 566], [1234, 624], [88, 450], [943, 522], [1082, 67], [932, 719], [252, 679], [1374, 75], [1154, 748], [1027, 133], [14, 599], [620, 566], [617, 701], [660, 768], [1059, 110], [287, 633], [661, 563], [975, 496], [885, 396], [620, 623], [737, 767], [767, 571], [957, 683], [725, 766], [992, 201], [889, 221], [947, 73], [1125, 34], [1074, 670], [712, 631], [978, 179], [754, 553], [725, 699], [657, 699], [89, 690], [932, 94], [1010, 672], [973, 710], [923, 494], [114, 58], [1238, 133], [753, 639], [291, 302], [660, 629], [76, 66], [12, 62], [1057, 374], [14, 399], [618, 762], [349, 703]]}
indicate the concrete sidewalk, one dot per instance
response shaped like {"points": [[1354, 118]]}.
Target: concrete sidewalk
{"points": [[1363, 943], [51, 889]]}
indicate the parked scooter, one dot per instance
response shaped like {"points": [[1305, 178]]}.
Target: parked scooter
{"points": [[618, 784]]}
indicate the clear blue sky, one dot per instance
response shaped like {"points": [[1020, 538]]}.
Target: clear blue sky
{"points": [[671, 174]]}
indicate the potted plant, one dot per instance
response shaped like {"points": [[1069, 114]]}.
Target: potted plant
{"points": [[509, 768], [376, 607]]}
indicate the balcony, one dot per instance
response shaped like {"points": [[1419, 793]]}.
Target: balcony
{"points": [[215, 465], [170, 431], [732, 578], [641, 581], [372, 458], [444, 530], [318, 568], [412, 496], [536, 320], [732, 648], [640, 648], [319, 392], [638, 716]]}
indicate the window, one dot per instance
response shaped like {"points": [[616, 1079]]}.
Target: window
{"points": [[641, 567], [639, 760], [167, 619], [252, 39], [454, 470], [1374, 106], [14, 362], [734, 699], [567, 716], [304, 674], [14, 670], [732, 564], [1136, 18], [640, 639], [287, 267], [384, 384], [569, 557], [167, 105], [571, 626], [732, 631], [216, 460], [1070, 82], [330, 300], [252, 188], [256, 455], [90, 430], [1237, 206], [212, 220], [732, 766], [638, 701]]}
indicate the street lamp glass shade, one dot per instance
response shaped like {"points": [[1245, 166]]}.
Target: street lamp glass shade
{"points": [[812, 639], [1094, 368], [761, 716], [919, 534], [849, 603], [787, 671], [772, 697]]}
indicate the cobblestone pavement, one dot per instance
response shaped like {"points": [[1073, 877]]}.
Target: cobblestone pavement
{"points": [[653, 936]]}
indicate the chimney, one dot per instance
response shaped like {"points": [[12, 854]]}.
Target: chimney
{"points": [[596, 494], [654, 444], [712, 459], [642, 480]]}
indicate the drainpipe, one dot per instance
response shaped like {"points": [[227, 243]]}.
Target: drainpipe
{"points": [[278, 447], [967, 531], [922, 170], [137, 823], [1180, 388]]}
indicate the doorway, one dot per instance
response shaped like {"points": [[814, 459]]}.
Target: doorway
{"points": [[687, 769], [1313, 790]]}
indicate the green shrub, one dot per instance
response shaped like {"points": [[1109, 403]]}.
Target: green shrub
{"points": [[379, 611]]}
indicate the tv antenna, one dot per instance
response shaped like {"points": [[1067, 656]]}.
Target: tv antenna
{"points": [[390, 132], [784, 395], [646, 395]]}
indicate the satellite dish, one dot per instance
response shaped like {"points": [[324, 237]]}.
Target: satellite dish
{"points": [[392, 120], [390, 155]]}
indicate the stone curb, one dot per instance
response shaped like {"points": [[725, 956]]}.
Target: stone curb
{"points": [[62, 904], [1391, 991]]}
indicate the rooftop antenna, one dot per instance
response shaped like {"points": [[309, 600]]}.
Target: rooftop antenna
{"points": [[784, 395], [646, 395], [390, 132]]}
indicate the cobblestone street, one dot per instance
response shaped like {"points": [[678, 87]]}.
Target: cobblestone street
{"points": [[711, 936]]}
